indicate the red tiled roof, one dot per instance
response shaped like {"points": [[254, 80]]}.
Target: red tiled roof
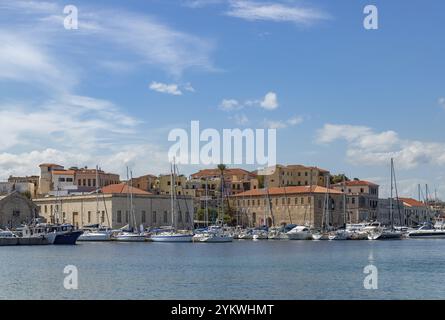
{"points": [[358, 183], [287, 191], [412, 202], [122, 188]]}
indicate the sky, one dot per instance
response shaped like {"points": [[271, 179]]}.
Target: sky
{"points": [[341, 97]]}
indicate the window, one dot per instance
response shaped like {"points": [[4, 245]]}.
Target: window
{"points": [[94, 182], [103, 217], [89, 216], [69, 179], [143, 217], [16, 213], [126, 216], [166, 217], [84, 182], [154, 217], [187, 217], [89, 182], [119, 216], [302, 200]]}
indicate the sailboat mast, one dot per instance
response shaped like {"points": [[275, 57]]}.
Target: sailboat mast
{"points": [[172, 202], [345, 218], [97, 194], [206, 214], [391, 211]]}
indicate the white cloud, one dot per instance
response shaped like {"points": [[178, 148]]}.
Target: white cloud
{"points": [[442, 102], [270, 101], [230, 104], [276, 12], [166, 88], [282, 124], [367, 147], [201, 3], [241, 119]]}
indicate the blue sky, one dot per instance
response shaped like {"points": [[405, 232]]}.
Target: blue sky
{"points": [[344, 98]]}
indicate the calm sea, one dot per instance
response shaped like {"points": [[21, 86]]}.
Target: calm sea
{"points": [[411, 269]]}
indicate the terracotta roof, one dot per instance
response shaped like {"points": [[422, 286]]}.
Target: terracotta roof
{"points": [[412, 202], [217, 172], [122, 188], [358, 183], [64, 172], [287, 191]]}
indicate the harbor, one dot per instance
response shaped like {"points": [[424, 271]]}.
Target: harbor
{"points": [[410, 269]]}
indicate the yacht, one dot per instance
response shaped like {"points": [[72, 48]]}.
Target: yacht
{"points": [[300, 233], [246, 234], [66, 234], [214, 234], [260, 235], [427, 231], [377, 232], [172, 236], [128, 236], [277, 234], [96, 233]]}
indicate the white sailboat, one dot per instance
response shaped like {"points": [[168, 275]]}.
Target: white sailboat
{"points": [[130, 235], [97, 233], [323, 234], [172, 235], [379, 232]]}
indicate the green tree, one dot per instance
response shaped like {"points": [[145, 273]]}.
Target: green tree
{"points": [[338, 178]]}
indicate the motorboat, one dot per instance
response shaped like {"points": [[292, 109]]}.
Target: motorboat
{"points": [[427, 231], [96, 233], [128, 236], [66, 234], [260, 235], [277, 234], [300, 233], [172, 236]]}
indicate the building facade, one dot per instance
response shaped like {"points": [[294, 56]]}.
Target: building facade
{"points": [[16, 209], [295, 175], [302, 205], [55, 180], [112, 208], [362, 200]]}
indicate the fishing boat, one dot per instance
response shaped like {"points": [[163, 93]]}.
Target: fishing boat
{"points": [[66, 234]]}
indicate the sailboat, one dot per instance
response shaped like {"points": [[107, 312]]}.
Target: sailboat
{"points": [[172, 234], [216, 233], [130, 235], [97, 232], [380, 233], [342, 234], [323, 234]]}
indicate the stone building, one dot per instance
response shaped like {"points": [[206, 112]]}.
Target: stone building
{"points": [[303, 205], [111, 207], [16, 209], [56, 180], [361, 201], [295, 175]]}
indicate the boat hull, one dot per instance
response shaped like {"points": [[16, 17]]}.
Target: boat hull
{"points": [[427, 235], [299, 236], [93, 236], [171, 238], [68, 238]]}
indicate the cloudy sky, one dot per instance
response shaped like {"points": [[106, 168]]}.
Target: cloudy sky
{"points": [[341, 97]]}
